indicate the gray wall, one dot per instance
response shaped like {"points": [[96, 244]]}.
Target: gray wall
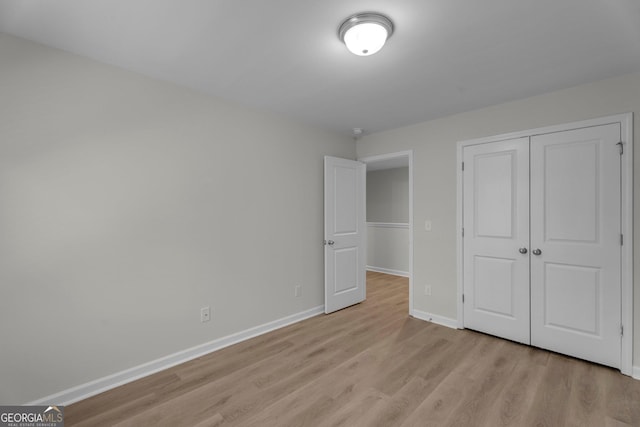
{"points": [[388, 195], [388, 249], [128, 204], [434, 147], [388, 202]]}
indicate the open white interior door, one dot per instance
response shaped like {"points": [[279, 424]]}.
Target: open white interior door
{"points": [[344, 233]]}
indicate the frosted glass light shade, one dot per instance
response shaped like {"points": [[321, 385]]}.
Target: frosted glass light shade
{"points": [[365, 33], [365, 39]]}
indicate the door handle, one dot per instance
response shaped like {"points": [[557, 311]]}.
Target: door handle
{"points": [[522, 250], [330, 242], [537, 252]]}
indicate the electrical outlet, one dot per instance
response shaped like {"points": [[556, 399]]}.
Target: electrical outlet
{"points": [[427, 290], [297, 291], [205, 314]]}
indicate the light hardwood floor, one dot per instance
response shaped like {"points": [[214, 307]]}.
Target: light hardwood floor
{"points": [[371, 365]]}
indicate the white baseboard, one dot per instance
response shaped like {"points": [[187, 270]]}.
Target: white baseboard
{"points": [[434, 318], [388, 225], [388, 271], [83, 391], [636, 372]]}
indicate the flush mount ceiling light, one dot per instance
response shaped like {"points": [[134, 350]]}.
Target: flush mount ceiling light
{"points": [[365, 33]]}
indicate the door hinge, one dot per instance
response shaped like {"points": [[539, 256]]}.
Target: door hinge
{"points": [[462, 231], [622, 240], [621, 330], [463, 298], [463, 166], [621, 144]]}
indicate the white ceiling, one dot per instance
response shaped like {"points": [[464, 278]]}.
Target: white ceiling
{"points": [[445, 57]]}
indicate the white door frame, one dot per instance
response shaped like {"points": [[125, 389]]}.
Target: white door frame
{"points": [[626, 122], [409, 155]]}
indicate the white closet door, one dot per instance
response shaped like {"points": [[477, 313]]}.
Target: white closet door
{"points": [[575, 243], [496, 228]]}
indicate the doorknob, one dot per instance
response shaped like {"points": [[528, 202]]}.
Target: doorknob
{"points": [[330, 242], [522, 250], [537, 252]]}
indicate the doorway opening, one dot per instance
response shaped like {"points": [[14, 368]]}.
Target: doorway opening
{"points": [[390, 216]]}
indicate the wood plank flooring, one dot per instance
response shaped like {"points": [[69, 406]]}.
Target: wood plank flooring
{"points": [[371, 365]]}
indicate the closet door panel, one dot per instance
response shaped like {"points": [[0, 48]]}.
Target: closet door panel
{"points": [[575, 242], [496, 227]]}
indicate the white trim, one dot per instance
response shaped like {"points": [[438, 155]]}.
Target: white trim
{"points": [[409, 154], [434, 318], [83, 391], [626, 359], [626, 123], [636, 372], [388, 271], [388, 224], [599, 121], [459, 241]]}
